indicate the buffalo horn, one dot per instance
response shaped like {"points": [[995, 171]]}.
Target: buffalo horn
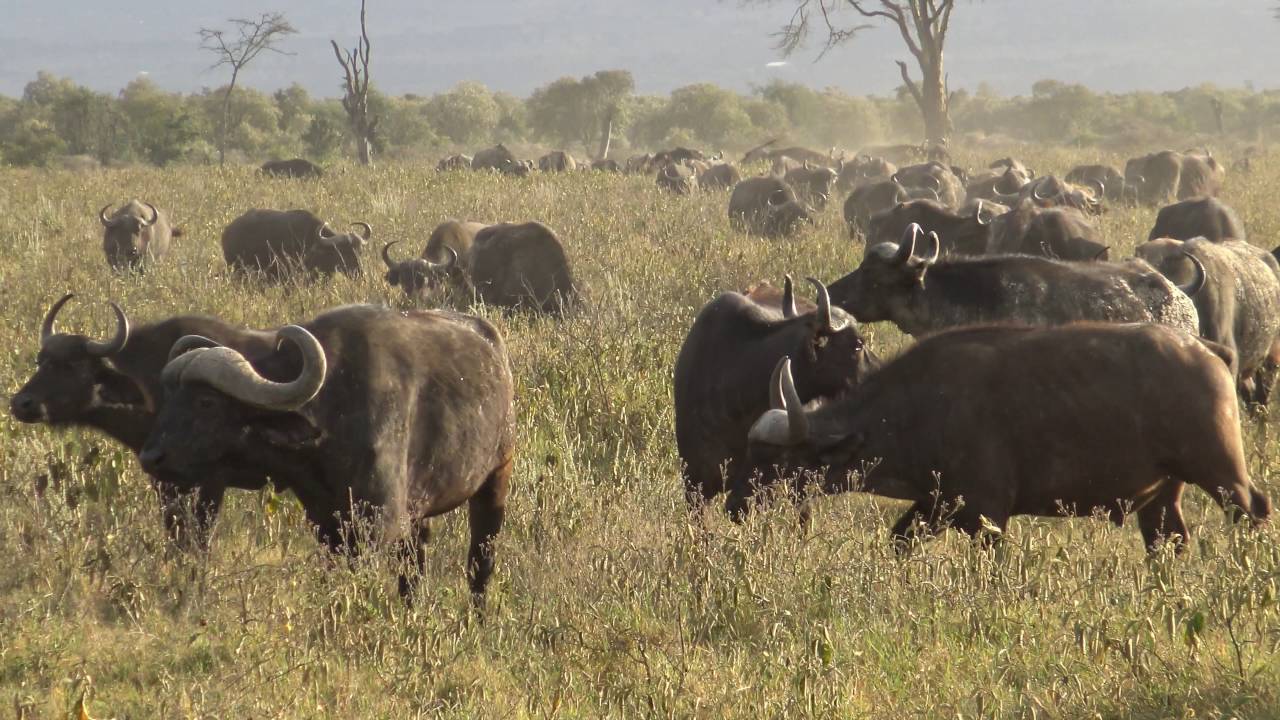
{"points": [[788, 298], [155, 215], [785, 422], [386, 255], [368, 231], [935, 245], [116, 343], [1198, 282], [229, 372], [190, 342], [907, 247], [977, 214], [824, 305], [1100, 188], [102, 215], [46, 327]]}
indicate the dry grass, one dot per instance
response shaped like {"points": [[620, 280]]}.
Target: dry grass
{"points": [[606, 602]]}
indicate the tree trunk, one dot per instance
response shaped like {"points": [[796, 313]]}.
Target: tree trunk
{"points": [[606, 136], [933, 104], [226, 115], [364, 149]]}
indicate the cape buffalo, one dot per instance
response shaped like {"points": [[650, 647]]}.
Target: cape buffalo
{"points": [[720, 176], [677, 177], [134, 235], [766, 206], [812, 184], [924, 295], [1063, 233], [372, 416], [1000, 186], [1239, 306], [867, 200], [557, 161], [1048, 191], [454, 162], [279, 242], [520, 266], [1156, 176], [446, 256], [936, 177], [723, 364], [113, 386], [862, 170], [1109, 180], [959, 234], [500, 159], [606, 165], [1200, 217], [976, 425], [1202, 176], [295, 168], [798, 154]]}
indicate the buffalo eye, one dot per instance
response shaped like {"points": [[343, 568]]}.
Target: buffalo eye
{"points": [[205, 403]]}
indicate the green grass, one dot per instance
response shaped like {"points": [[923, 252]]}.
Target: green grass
{"points": [[607, 601]]}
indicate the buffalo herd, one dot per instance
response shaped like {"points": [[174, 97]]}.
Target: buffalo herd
{"points": [[1046, 378]]}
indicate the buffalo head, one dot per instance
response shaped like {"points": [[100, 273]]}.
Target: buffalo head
{"points": [[416, 275], [122, 237], [889, 274]]}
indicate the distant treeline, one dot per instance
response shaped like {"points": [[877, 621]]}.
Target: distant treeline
{"points": [[56, 118]]}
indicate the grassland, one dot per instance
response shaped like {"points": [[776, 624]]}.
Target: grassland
{"points": [[607, 601]]}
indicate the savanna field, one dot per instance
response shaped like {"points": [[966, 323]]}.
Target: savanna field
{"points": [[607, 600]]}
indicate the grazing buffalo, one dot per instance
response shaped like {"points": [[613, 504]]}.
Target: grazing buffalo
{"points": [[867, 200], [976, 425], [1063, 233], [1204, 217], [519, 266], [1002, 186], [447, 256], [678, 178], [277, 243], [454, 162], [720, 176], [606, 165], [1048, 191], [1109, 180], [1239, 306], [113, 386], [959, 234], [897, 154], [557, 161], [498, 158], [861, 170], [766, 206], [798, 154], [1202, 176], [936, 177], [373, 417], [295, 168], [924, 295], [813, 185], [135, 234], [727, 357], [639, 164]]}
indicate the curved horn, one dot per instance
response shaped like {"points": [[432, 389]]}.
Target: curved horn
{"points": [[386, 256], [797, 423], [116, 343], [1100, 188], [102, 215], [936, 196], [155, 215], [320, 232], [1198, 282], [46, 327], [824, 305], [451, 262], [935, 245], [368, 230], [788, 297], [229, 372], [977, 214], [907, 247], [190, 342], [937, 184], [1035, 193], [1102, 254]]}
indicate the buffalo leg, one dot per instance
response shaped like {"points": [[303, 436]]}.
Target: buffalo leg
{"points": [[1161, 519], [413, 549], [486, 510], [189, 516]]}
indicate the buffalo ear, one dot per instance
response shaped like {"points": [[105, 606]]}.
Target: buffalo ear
{"points": [[289, 431]]}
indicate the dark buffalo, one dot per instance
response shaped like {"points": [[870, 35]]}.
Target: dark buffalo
{"points": [[557, 161], [1063, 233], [374, 417], [977, 425], [766, 206], [446, 257], [723, 365], [1239, 306], [1048, 191], [678, 178], [1202, 176], [295, 168], [277, 243], [1156, 176], [1000, 186], [135, 234], [454, 162], [867, 200], [813, 185], [936, 177], [606, 165], [959, 234], [862, 170], [114, 387], [498, 158], [720, 176], [519, 266], [639, 164], [1108, 180], [765, 153], [897, 154], [891, 284], [1012, 164], [1200, 217]]}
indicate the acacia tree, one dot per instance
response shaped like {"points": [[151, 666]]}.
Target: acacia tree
{"points": [[236, 49], [923, 25], [355, 98]]}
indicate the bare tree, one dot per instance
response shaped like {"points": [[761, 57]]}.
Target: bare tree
{"points": [[355, 98], [923, 25], [237, 48]]}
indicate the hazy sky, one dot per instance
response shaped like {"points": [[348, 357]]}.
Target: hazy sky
{"points": [[517, 45]]}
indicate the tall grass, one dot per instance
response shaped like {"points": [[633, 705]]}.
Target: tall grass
{"points": [[607, 602]]}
